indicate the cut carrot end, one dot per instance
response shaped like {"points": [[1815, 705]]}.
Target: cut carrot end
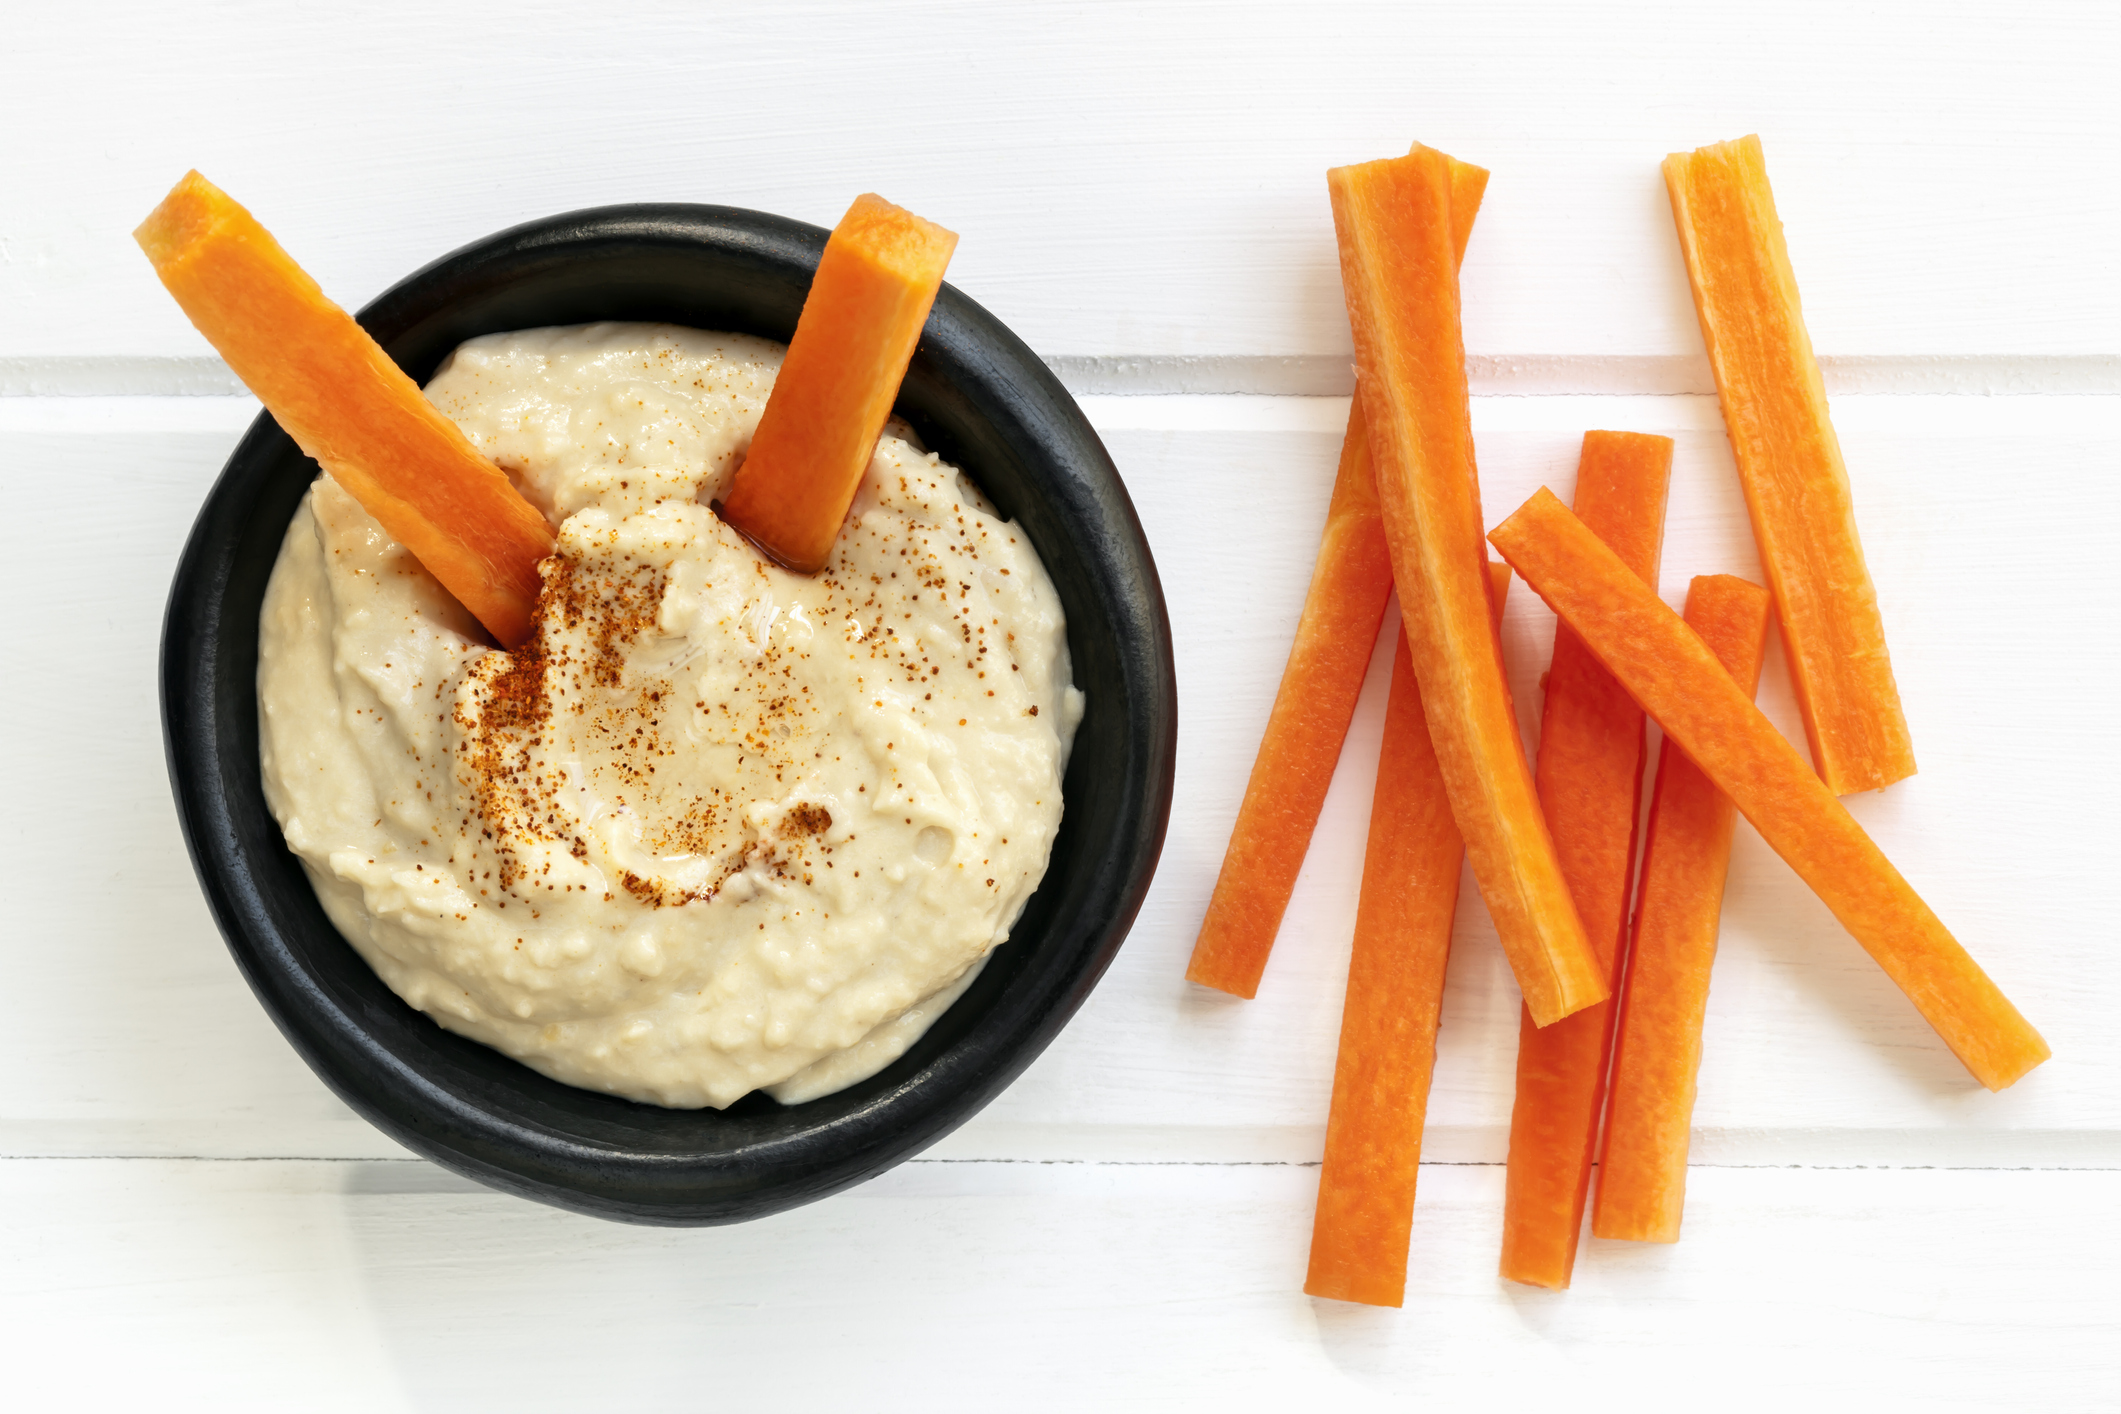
{"points": [[1666, 667], [345, 403], [1664, 995], [1591, 757], [1350, 585], [1789, 463], [875, 284], [1360, 1235], [1392, 220], [185, 218]]}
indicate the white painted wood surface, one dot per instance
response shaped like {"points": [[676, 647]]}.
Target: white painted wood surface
{"points": [[187, 1217], [1130, 180], [374, 1287]]}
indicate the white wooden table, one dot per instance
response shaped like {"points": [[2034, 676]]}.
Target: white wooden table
{"points": [[187, 1217]]}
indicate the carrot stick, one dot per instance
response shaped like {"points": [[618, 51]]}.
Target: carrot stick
{"points": [[1642, 1157], [347, 405], [1312, 709], [1789, 462], [1392, 220], [1316, 700], [1673, 674], [1387, 1054], [870, 298], [1591, 756]]}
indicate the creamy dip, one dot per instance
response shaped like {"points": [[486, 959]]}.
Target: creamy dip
{"points": [[717, 827]]}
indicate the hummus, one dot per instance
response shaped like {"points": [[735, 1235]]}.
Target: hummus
{"points": [[716, 827]]}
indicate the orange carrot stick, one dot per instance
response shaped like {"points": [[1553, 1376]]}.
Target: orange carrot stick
{"points": [[1349, 587], [1666, 667], [1365, 1212], [870, 298], [1392, 220], [347, 405], [1591, 755], [1642, 1157], [1789, 462]]}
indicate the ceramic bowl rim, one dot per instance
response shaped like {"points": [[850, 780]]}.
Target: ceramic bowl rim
{"points": [[970, 373]]}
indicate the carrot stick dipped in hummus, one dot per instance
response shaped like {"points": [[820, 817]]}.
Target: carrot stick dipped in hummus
{"points": [[706, 826]]}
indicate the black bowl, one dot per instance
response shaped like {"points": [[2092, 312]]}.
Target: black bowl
{"points": [[979, 397]]}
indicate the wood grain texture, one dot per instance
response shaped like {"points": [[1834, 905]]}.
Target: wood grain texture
{"points": [[1177, 204]]}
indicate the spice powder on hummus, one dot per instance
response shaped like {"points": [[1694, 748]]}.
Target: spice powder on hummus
{"points": [[716, 827]]}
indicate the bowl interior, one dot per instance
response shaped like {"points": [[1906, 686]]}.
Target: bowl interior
{"points": [[981, 399]]}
